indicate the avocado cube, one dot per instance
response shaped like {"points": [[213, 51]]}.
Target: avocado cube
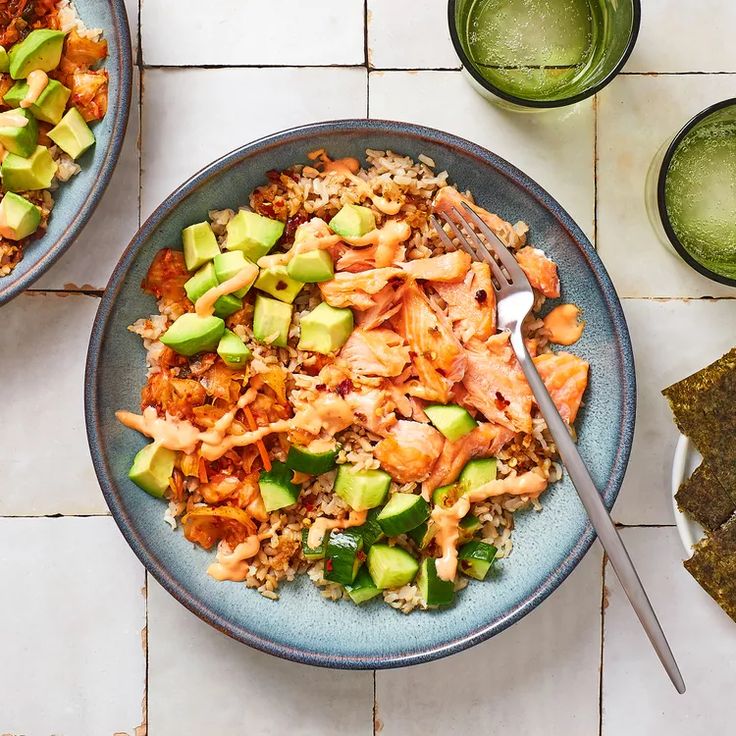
{"points": [[200, 245], [227, 305], [312, 267], [201, 282], [72, 134], [233, 351], [353, 220], [325, 329], [228, 265], [40, 49], [20, 217], [4, 61], [271, 321], [277, 282], [50, 104], [25, 174], [18, 132], [191, 334], [252, 234], [151, 469]]}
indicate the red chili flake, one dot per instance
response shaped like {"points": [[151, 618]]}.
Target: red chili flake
{"points": [[281, 285], [292, 223], [308, 505], [321, 387], [344, 387], [328, 565], [501, 403], [273, 175], [481, 296], [362, 556]]}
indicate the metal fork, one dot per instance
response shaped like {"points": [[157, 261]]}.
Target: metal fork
{"points": [[515, 298]]}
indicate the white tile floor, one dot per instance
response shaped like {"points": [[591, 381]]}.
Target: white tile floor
{"points": [[72, 592]]}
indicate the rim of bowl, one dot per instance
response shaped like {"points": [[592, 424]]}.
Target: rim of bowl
{"points": [[120, 111], [662, 180], [138, 542], [542, 104]]}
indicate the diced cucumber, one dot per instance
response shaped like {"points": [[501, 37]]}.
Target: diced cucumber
{"points": [[477, 473], [452, 420], [391, 567], [476, 558], [361, 489], [314, 553], [370, 530], [403, 512], [470, 523], [363, 588], [312, 463], [276, 487], [432, 589], [446, 496], [423, 534], [343, 557]]}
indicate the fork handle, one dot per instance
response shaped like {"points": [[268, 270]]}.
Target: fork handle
{"points": [[597, 512]]}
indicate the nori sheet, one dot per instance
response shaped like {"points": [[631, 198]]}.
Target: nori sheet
{"points": [[704, 498], [713, 565]]}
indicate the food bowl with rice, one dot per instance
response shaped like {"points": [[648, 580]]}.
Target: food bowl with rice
{"points": [[321, 397]]}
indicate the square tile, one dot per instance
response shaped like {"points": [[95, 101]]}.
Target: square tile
{"points": [[70, 628], [46, 468], [638, 698], [636, 115], [685, 37], [555, 651], [671, 340], [249, 32], [408, 36], [236, 685], [554, 148], [90, 260], [179, 138]]}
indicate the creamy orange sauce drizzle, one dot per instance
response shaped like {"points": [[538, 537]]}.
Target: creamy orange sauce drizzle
{"points": [[564, 325], [328, 411], [37, 82], [321, 525], [448, 520], [233, 564], [312, 235], [205, 305], [12, 119], [347, 165], [386, 239]]}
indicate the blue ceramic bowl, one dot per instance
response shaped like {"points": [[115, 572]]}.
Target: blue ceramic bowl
{"points": [[76, 200], [303, 626]]}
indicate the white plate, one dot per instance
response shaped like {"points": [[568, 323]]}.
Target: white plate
{"points": [[686, 459]]}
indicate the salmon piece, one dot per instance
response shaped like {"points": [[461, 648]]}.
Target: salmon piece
{"points": [[410, 451], [379, 352], [485, 440], [374, 409], [496, 386], [448, 267], [386, 304], [566, 377], [540, 270], [448, 198], [471, 304], [357, 289]]}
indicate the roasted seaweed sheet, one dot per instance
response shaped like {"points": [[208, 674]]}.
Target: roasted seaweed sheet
{"points": [[705, 499]]}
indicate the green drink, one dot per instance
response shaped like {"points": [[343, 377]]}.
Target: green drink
{"points": [[543, 53], [696, 192]]}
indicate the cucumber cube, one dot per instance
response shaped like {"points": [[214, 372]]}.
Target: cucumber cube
{"points": [[403, 512], [314, 553], [476, 559], [423, 534], [477, 473], [370, 530], [363, 588], [361, 489], [312, 463], [276, 487], [343, 557], [452, 420], [433, 590], [391, 567]]}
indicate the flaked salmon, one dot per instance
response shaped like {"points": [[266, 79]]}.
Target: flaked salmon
{"points": [[410, 451], [448, 267], [496, 386], [386, 303], [374, 409], [485, 440], [513, 236], [540, 270], [471, 303], [357, 289], [379, 352], [566, 377]]}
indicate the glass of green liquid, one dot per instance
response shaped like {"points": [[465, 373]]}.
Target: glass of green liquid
{"points": [[532, 54], [691, 192]]}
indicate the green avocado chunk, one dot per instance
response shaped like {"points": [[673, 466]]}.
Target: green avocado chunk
{"points": [[203, 280], [228, 265], [151, 469], [252, 234], [312, 267], [277, 282], [40, 49], [271, 321], [4, 61], [233, 351], [452, 420], [200, 245], [50, 104], [19, 216], [72, 134], [353, 220], [325, 329], [26, 174], [18, 139], [192, 334], [361, 489]]}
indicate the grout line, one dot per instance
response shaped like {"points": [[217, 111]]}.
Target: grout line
{"points": [[139, 51], [703, 298], [645, 526], [56, 516], [416, 68], [367, 60], [671, 74], [145, 678], [79, 291], [375, 709], [190, 67], [600, 668]]}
